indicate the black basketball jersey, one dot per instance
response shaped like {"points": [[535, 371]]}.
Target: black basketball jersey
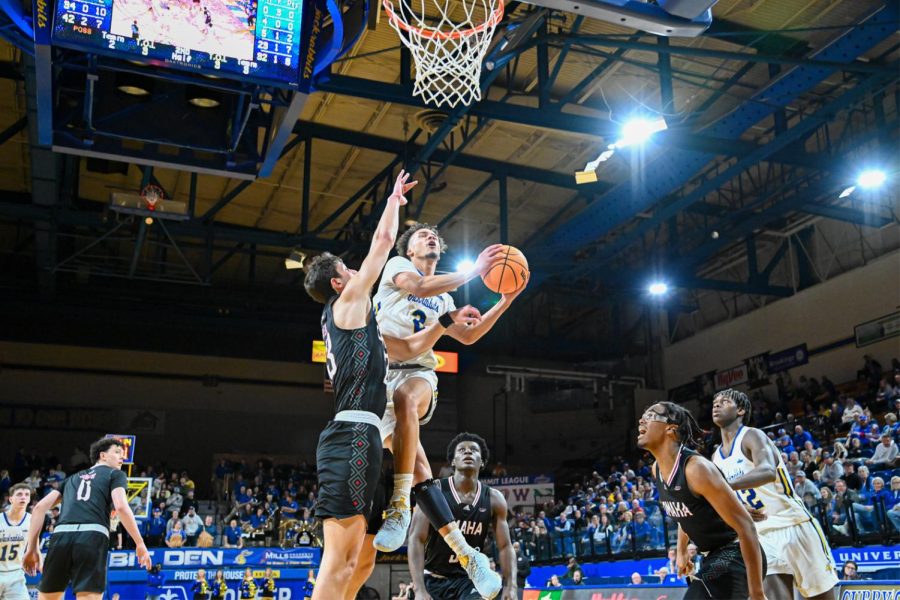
{"points": [[357, 364], [697, 517], [474, 522], [87, 495]]}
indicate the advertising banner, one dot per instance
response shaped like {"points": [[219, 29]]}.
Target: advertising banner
{"points": [[792, 357], [220, 557], [523, 491], [879, 329], [731, 377]]}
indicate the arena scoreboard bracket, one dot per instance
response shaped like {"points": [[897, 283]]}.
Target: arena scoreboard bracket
{"points": [[266, 41]]}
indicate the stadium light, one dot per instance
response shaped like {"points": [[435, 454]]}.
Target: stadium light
{"points": [[465, 266], [658, 288], [637, 131], [871, 179]]}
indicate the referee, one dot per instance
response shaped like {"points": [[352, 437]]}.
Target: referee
{"points": [[79, 545]]}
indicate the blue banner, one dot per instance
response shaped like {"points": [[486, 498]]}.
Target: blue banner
{"points": [[868, 558], [787, 359], [211, 558]]}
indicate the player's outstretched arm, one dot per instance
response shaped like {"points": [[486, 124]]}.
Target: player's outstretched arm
{"points": [[471, 334], [31, 562], [401, 349], [426, 286], [504, 546], [120, 502], [418, 535], [705, 480], [758, 449]]}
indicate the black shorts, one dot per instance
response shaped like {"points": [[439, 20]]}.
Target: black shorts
{"points": [[722, 576], [383, 492], [451, 588], [76, 558], [348, 459]]}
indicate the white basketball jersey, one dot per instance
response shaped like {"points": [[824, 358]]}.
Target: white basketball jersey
{"points": [[400, 314], [12, 542], [783, 507]]}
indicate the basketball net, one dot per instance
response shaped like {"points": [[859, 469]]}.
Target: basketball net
{"points": [[151, 195], [448, 49]]}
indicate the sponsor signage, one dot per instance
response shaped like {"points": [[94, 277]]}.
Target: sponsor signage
{"points": [[318, 351], [777, 362], [731, 377], [868, 590], [757, 371], [448, 362], [868, 558], [129, 441], [877, 330], [643, 592], [220, 557], [523, 491]]}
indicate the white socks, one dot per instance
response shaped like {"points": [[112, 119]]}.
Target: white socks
{"points": [[402, 487]]}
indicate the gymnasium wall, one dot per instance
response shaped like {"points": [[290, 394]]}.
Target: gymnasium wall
{"points": [[818, 316]]}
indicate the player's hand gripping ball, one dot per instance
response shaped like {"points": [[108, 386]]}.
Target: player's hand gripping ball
{"points": [[508, 272]]}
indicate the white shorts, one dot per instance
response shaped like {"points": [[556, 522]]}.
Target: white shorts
{"points": [[12, 586], [396, 378], [802, 552]]}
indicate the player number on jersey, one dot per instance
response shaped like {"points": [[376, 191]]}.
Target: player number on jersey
{"points": [[9, 551], [749, 498], [418, 318], [84, 490]]}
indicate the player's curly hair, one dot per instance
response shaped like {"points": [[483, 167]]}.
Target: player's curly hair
{"points": [[103, 445], [320, 270], [689, 432], [469, 437], [403, 241], [740, 400]]}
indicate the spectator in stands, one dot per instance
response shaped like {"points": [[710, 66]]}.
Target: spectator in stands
{"points": [[577, 578], [695, 556], [192, 525], [850, 571], [890, 426], [826, 505], [793, 464], [209, 533], [155, 528], [850, 477], [885, 456], [803, 486], [523, 565], [893, 506], [852, 411], [554, 582], [865, 480], [176, 538], [175, 500], [623, 536], [800, 437], [856, 452], [170, 525], [643, 533], [231, 537], [155, 581], [565, 535], [189, 502], [808, 463], [832, 469], [864, 508], [636, 579], [601, 535]]}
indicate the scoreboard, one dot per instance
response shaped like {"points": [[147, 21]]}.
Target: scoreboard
{"points": [[258, 40]]}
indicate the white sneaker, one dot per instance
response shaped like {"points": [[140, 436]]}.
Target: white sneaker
{"points": [[392, 534], [487, 582]]}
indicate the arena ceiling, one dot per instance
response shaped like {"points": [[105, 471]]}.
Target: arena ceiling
{"points": [[771, 113]]}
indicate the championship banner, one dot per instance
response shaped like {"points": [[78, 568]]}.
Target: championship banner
{"points": [[757, 370], [138, 493], [220, 557], [129, 441], [787, 359], [731, 377], [523, 491], [877, 330]]}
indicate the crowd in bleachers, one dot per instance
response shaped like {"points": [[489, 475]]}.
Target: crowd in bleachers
{"points": [[840, 447]]}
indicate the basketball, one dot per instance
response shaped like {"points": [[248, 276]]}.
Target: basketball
{"points": [[508, 273]]}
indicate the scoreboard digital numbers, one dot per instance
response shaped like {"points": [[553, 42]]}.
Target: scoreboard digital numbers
{"points": [[252, 39]]}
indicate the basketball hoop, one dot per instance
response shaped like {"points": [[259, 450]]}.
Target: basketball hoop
{"points": [[448, 49], [151, 195]]}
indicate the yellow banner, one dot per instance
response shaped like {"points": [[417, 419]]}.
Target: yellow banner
{"points": [[318, 351]]}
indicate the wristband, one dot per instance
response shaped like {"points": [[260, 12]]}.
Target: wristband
{"points": [[445, 320]]}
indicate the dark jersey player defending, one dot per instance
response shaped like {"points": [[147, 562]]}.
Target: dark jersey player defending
{"points": [[435, 568], [80, 541], [348, 455], [694, 493]]}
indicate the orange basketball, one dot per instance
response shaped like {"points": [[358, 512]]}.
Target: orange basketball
{"points": [[508, 273]]}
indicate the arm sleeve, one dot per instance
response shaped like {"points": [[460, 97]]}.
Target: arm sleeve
{"points": [[394, 266], [118, 479]]}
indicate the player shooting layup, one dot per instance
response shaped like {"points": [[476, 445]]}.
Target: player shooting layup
{"points": [[13, 532], [348, 456], [796, 550]]}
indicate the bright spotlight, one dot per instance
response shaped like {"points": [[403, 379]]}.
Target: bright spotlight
{"points": [[465, 266], [871, 179], [637, 131], [658, 288]]}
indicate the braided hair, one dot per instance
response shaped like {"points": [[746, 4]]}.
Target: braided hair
{"points": [[469, 437], [740, 400], [689, 432]]}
